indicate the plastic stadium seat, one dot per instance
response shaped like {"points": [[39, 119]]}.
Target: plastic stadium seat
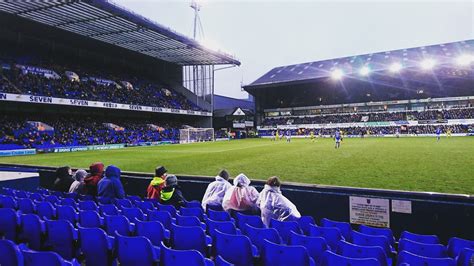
{"points": [[133, 198], [197, 212], [466, 257], [193, 204], [68, 213], [36, 258], [133, 213], [412, 259], [425, 250], [32, 230], [8, 224], [258, 235], [117, 223], [214, 207], [281, 255], [224, 227], [36, 196], [304, 223], [61, 237], [427, 239], [347, 249], [252, 220], [163, 217], [189, 237], [96, 246], [332, 235], [20, 194], [108, 209], [145, 206], [378, 232], [71, 195], [121, 203], [26, 206], [171, 257], [456, 244], [52, 199], [7, 202], [332, 259], [345, 228], [154, 231], [136, 250], [104, 200], [315, 245], [10, 254], [285, 229], [189, 221], [236, 249], [68, 202], [219, 261], [90, 219], [219, 216], [45, 210], [87, 205], [370, 240], [85, 197], [169, 208]]}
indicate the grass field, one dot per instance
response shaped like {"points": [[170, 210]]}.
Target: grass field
{"points": [[420, 164]]}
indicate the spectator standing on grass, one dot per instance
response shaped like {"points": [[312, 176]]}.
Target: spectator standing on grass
{"points": [[96, 171], [157, 183], [216, 190], [110, 186], [171, 193], [241, 197], [273, 205], [63, 179]]}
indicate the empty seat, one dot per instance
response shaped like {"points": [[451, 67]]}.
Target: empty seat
{"points": [[189, 221], [347, 249], [68, 202], [163, 217], [304, 222], [214, 207], [90, 219], [7, 202], [61, 238], [71, 195], [332, 235], [136, 250], [189, 237], [108, 209], [197, 212], [412, 259], [20, 194], [193, 204], [378, 232], [87, 205], [421, 249], [52, 199], [332, 259], [285, 229], [133, 198], [32, 230], [427, 239], [315, 245], [252, 220], [104, 200], [258, 235], [117, 223], [36, 258], [169, 208], [153, 230], [133, 213], [145, 206], [219, 261], [236, 249], [10, 254], [466, 257], [171, 257], [224, 227], [45, 210], [219, 216], [26, 206], [345, 228], [68, 213], [85, 197], [36, 196], [8, 223], [281, 255], [96, 246], [121, 203], [456, 244], [370, 240]]}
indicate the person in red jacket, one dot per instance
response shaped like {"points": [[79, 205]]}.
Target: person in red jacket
{"points": [[96, 171], [157, 183]]}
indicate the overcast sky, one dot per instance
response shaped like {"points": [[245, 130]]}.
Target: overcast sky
{"points": [[264, 34]]}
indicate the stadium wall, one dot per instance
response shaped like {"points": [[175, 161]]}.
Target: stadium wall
{"points": [[445, 215]]}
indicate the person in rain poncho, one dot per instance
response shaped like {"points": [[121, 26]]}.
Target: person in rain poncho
{"points": [[273, 205], [216, 190], [241, 196]]}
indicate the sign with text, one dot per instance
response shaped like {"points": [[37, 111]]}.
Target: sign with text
{"points": [[401, 206], [369, 211]]}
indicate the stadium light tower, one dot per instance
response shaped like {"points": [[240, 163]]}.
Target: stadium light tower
{"points": [[427, 64], [198, 31], [395, 67], [464, 60], [337, 74], [364, 71]]}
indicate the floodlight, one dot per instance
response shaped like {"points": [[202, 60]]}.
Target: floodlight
{"points": [[428, 64], [364, 71], [395, 67], [464, 60], [337, 74]]}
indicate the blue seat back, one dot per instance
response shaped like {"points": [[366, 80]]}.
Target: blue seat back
{"points": [[315, 245], [67, 212], [171, 257], [108, 209], [285, 228], [330, 258], [347, 249], [370, 240], [236, 249], [253, 220], [304, 222], [133, 213], [153, 230], [88, 205], [8, 223], [188, 237], [197, 212], [345, 228], [36, 258], [95, 246], [258, 235], [332, 235], [52, 199], [32, 230], [10, 254], [123, 203], [466, 257], [169, 208], [117, 223], [421, 249], [193, 204], [46, 210], [224, 227], [456, 244], [26, 206], [36, 196], [218, 215], [89, 219], [68, 202], [282, 255], [378, 232], [427, 239], [60, 238], [137, 250], [413, 259], [187, 220], [163, 217], [7, 202], [145, 206], [104, 200]]}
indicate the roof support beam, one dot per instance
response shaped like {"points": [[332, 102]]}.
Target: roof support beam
{"points": [[44, 7], [112, 33], [83, 20], [141, 41]]}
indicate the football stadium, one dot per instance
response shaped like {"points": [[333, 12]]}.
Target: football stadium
{"points": [[115, 148]]}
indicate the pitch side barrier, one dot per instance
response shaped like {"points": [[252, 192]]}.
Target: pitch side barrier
{"points": [[445, 215]]}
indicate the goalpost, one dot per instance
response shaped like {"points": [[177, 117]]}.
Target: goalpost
{"points": [[190, 135]]}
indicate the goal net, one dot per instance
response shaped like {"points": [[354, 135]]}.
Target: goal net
{"points": [[190, 135]]}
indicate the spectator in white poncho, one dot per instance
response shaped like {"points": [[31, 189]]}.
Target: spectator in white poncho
{"points": [[273, 205], [216, 190], [241, 197]]}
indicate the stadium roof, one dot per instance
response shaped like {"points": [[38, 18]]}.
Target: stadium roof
{"points": [[107, 22], [442, 54]]}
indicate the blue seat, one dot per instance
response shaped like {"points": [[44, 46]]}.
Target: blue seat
{"points": [[10, 254], [70, 195], [133, 198], [104, 200], [68, 202], [421, 249], [37, 258], [36, 196], [219, 261], [370, 240], [85, 197], [189, 237], [456, 244], [53, 199], [281, 255], [20, 194], [236, 249], [171, 257], [87, 205], [121, 203], [378, 232], [304, 222], [193, 204], [345, 228], [108, 209], [61, 237], [258, 235], [66, 212], [45, 210], [136, 250], [285, 229], [214, 207], [96, 246], [118, 223], [153, 230], [332, 235], [332, 259], [315, 245], [90, 219], [169, 208], [32, 231], [26, 206], [466, 257], [145, 206], [163, 217], [9, 222], [252, 220], [412, 259], [223, 226], [7, 202], [347, 249], [134, 213], [427, 239], [219, 216], [197, 212], [189, 221]]}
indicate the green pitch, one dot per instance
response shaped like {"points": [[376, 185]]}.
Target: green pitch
{"points": [[420, 164]]}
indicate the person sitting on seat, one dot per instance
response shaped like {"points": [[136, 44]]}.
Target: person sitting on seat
{"points": [[157, 183], [96, 171], [110, 186], [78, 184], [241, 197], [216, 190], [171, 194], [274, 205], [64, 179]]}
